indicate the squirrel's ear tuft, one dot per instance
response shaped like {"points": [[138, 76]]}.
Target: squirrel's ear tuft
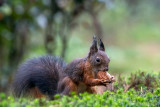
{"points": [[101, 45], [93, 48]]}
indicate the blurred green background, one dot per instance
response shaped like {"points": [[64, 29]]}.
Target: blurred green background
{"points": [[130, 30]]}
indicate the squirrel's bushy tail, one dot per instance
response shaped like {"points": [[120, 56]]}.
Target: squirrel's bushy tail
{"points": [[41, 73]]}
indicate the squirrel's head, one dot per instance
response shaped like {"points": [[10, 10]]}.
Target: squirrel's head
{"points": [[97, 57]]}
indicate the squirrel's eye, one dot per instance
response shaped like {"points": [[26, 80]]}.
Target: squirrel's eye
{"points": [[98, 60]]}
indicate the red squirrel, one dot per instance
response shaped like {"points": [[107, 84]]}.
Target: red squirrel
{"points": [[50, 75]]}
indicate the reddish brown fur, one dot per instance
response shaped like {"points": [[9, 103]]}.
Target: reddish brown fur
{"points": [[36, 93], [88, 76], [69, 86]]}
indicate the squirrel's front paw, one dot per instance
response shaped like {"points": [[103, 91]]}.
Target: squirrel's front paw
{"points": [[104, 82], [112, 79]]}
